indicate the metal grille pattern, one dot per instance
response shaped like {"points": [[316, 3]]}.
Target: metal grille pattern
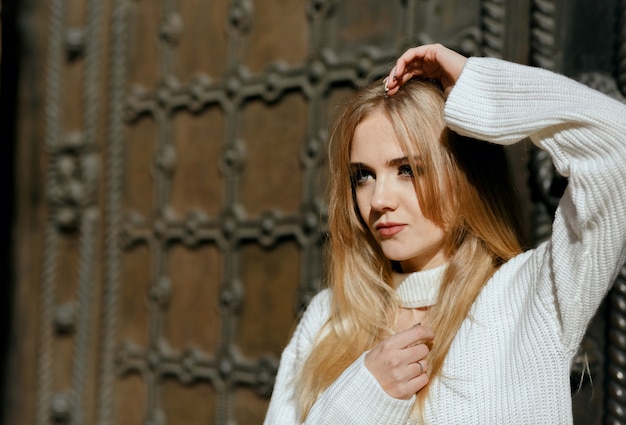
{"points": [[324, 69], [329, 67], [93, 215]]}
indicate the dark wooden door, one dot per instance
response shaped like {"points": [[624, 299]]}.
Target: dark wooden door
{"points": [[170, 188]]}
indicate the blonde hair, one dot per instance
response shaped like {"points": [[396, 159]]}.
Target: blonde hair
{"points": [[464, 187]]}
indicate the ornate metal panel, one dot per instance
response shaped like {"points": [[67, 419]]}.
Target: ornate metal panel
{"points": [[181, 211]]}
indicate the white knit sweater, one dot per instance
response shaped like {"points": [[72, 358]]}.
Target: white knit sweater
{"points": [[510, 362]]}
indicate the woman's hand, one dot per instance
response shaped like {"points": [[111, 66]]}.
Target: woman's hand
{"points": [[431, 61], [398, 362]]}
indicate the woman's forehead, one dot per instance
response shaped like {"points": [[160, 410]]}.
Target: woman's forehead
{"points": [[373, 138]]}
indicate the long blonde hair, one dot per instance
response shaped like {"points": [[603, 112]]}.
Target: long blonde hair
{"points": [[465, 188]]}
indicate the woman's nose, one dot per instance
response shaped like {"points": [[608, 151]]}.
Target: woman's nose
{"points": [[383, 196]]}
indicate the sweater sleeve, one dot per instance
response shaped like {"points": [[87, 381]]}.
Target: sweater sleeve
{"points": [[354, 398], [283, 406], [584, 131]]}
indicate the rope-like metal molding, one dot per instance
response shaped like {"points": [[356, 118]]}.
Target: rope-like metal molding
{"points": [[115, 175], [621, 50], [542, 46], [543, 33], [90, 220], [46, 335], [493, 29], [85, 295], [52, 102]]}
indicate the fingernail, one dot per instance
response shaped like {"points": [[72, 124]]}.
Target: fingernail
{"points": [[385, 83], [394, 75]]}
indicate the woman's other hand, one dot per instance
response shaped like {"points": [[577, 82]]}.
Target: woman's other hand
{"points": [[429, 60], [398, 363]]}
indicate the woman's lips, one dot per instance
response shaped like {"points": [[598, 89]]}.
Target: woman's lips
{"points": [[389, 229]]}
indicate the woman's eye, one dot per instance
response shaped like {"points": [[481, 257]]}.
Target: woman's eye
{"points": [[360, 176], [406, 171]]}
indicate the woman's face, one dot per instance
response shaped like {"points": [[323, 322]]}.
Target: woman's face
{"points": [[387, 201]]}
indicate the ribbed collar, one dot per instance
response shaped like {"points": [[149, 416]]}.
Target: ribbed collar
{"points": [[419, 289]]}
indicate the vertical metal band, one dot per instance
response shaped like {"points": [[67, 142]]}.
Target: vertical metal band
{"points": [[113, 230], [52, 134], [493, 31]]}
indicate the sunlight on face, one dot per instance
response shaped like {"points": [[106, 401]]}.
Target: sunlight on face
{"points": [[386, 198]]}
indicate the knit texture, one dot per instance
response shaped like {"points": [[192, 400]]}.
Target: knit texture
{"points": [[510, 360], [417, 290]]}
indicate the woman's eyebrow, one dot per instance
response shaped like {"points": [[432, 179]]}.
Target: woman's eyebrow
{"points": [[390, 162], [397, 161], [402, 160]]}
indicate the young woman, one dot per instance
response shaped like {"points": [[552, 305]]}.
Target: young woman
{"points": [[434, 312]]}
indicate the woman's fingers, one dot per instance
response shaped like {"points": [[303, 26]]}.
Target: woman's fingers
{"points": [[429, 60], [423, 365], [398, 360], [417, 383], [414, 335]]}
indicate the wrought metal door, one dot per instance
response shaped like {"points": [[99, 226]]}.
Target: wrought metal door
{"points": [[170, 203]]}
